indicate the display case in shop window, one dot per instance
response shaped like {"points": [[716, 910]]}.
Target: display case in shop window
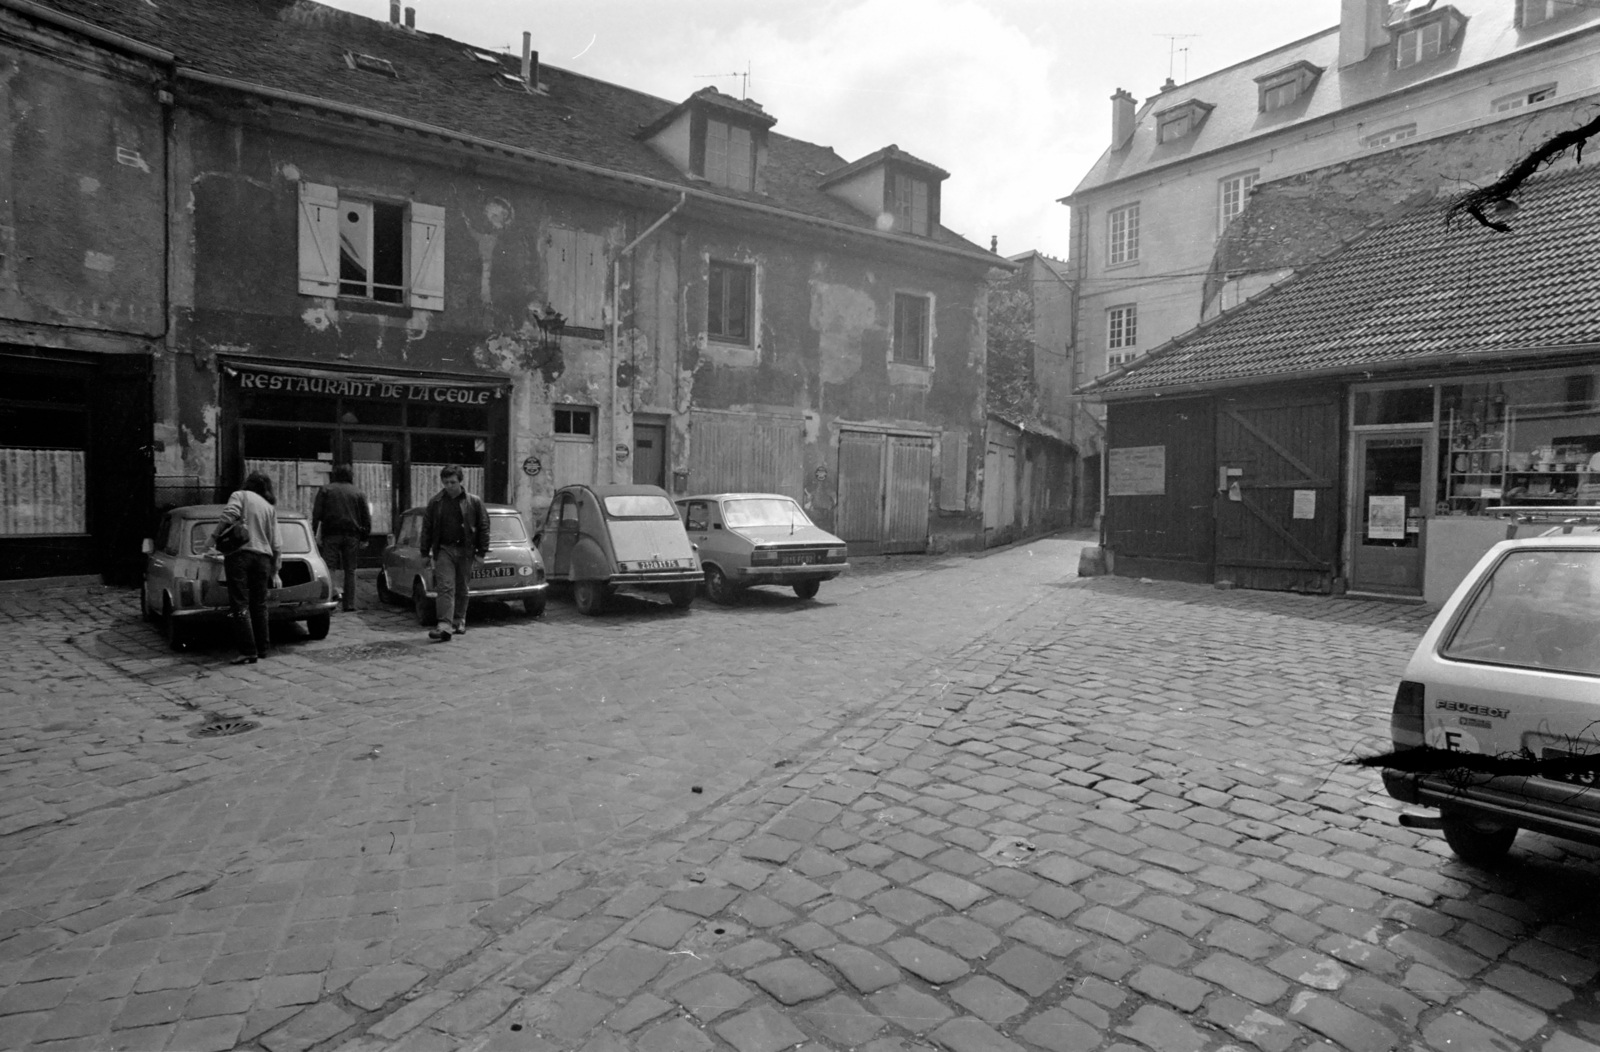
{"points": [[1484, 467]]}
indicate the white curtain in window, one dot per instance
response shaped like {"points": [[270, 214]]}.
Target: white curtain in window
{"points": [[42, 491], [425, 481]]}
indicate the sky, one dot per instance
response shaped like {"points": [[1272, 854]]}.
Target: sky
{"points": [[1011, 97]]}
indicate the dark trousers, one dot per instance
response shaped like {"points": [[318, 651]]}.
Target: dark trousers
{"points": [[249, 575], [452, 575], [340, 550]]}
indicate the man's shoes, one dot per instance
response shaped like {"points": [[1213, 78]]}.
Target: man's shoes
{"points": [[244, 659], [460, 629], [439, 635], [348, 609]]}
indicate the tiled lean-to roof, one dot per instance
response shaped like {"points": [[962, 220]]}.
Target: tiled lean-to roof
{"points": [[1411, 293], [298, 46]]}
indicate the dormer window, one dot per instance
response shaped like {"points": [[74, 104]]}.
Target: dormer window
{"points": [[898, 191], [906, 199], [1422, 32], [730, 155], [1178, 121], [370, 64], [1537, 12], [1283, 87]]}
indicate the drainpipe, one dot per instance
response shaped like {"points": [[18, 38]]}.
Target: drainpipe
{"points": [[616, 308]]}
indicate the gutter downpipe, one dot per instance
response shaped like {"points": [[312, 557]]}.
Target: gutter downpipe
{"points": [[616, 312]]}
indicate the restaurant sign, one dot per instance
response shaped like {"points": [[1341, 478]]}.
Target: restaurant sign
{"points": [[392, 389]]}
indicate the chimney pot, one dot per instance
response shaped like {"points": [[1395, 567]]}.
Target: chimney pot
{"points": [[1168, 86], [527, 60], [1122, 113], [411, 18], [394, 12]]}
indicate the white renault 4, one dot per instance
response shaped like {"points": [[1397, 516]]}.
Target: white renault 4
{"points": [[1497, 721]]}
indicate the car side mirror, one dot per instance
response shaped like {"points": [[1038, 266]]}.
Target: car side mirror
{"points": [[147, 546], [716, 525]]}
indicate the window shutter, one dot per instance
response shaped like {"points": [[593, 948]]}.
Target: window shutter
{"points": [[953, 471], [319, 240], [427, 256]]}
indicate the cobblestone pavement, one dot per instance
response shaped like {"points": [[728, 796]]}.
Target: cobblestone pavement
{"points": [[970, 804]]}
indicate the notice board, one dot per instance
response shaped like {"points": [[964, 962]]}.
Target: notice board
{"points": [[1137, 471]]}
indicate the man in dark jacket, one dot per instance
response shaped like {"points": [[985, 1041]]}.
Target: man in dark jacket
{"points": [[455, 535], [341, 518]]}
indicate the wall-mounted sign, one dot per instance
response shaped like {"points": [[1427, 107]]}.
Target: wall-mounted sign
{"points": [[532, 466], [821, 474], [365, 387], [1305, 503], [1137, 471], [622, 451]]}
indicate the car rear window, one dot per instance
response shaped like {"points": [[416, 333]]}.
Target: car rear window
{"points": [[1536, 609], [293, 537], [640, 506], [505, 527], [763, 511]]}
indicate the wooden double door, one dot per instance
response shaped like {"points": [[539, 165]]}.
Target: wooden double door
{"points": [[885, 482]]}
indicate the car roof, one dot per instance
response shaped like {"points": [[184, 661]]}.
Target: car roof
{"points": [[493, 509], [735, 496], [617, 490], [211, 511]]}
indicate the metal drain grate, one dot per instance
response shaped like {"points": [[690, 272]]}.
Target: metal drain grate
{"points": [[222, 728]]}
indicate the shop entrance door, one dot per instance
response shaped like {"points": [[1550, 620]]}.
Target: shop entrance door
{"points": [[373, 460], [1386, 516]]}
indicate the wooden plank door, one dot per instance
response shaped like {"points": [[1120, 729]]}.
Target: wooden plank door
{"points": [[907, 494], [858, 518]]}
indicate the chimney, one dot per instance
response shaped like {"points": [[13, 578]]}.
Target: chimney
{"points": [[1361, 29], [1122, 109], [394, 12], [411, 18], [1168, 86], [530, 63]]}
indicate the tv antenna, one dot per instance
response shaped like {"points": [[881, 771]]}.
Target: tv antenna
{"points": [[744, 79], [1173, 49]]}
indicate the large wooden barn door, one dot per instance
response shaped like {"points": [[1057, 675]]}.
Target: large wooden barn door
{"points": [[884, 489], [1277, 499]]}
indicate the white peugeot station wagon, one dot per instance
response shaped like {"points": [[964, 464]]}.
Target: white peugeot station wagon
{"points": [[1497, 721]]}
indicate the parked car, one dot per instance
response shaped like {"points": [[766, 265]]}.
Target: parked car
{"points": [[747, 539], [1509, 674], [185, 583], [601, 538], [511, 572]]}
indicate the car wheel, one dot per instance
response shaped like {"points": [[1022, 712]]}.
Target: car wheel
{"points": [[682, 594], [1476, 841], [421, 605], [719, 589], [172, 626], [807, 589], [534, 605], [318, 626], [590, 597], [384, 595], [144, 606]]}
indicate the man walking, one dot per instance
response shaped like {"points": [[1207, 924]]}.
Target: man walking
{"points": [[455, 535], [344, 521]]}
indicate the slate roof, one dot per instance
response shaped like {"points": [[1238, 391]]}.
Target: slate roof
{"points": [[1410, 293], [298, 46], [1489, 34]]}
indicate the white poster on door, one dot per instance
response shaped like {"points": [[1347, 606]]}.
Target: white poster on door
{"points": [[1386, 518], [1305, 503]]}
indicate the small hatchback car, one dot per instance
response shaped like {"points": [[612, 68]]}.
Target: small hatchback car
{"points": [[760, 538], [1508, 679], [185, 583], [601, 538], [511, 572]]}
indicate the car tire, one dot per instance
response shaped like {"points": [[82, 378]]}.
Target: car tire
{"points": [[682, 595], [172, 629], [718, 588], [590, 597], [1476, 841], [144, 607], [534, 605], [421, 605], [384, 595], [317, 626], [807, 589]]}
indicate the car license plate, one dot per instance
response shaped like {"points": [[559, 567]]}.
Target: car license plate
{"points": [[654, 564], [494, 571]]}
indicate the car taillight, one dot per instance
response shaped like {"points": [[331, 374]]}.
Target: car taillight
{"points": [[837, 553], [763, 555], [1405, 725]]}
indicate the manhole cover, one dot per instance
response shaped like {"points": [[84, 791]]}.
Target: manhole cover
{"points": [[223, 728], [362, 652]]}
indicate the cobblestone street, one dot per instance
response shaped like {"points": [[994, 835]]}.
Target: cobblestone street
{"points": [[957, 803]]}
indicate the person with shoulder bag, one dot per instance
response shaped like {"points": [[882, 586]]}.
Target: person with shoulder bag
{"points": [[455, 538], [247, 535]]}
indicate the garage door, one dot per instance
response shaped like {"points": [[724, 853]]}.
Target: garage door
{"points": [[885, 482], [746, 453]]}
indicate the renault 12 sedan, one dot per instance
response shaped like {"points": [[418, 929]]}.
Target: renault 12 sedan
{"points": [[511, 572], [602, 538], [747, 539], [185, 583], [1497, 719]]}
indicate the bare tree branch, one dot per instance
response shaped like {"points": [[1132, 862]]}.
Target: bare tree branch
{"points": [[1476, 202]]}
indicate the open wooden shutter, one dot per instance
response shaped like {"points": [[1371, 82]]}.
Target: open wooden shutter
{"points": [[427, 257], [953, 471], [319, 240]]}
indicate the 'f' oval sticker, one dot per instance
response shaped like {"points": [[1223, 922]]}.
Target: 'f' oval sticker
{"points": [[1453, 739]]}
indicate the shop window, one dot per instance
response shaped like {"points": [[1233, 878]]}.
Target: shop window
{"points": [[430, 454], [1122, 235], [262, 405], [730, 302], [296, 459], [362, 249], [43, 459], [354, 412], [910, 329], [437, 417]]}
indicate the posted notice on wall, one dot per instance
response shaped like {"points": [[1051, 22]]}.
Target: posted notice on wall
{"points": [[1386, 518], [1305, 503], [1137, 471]]}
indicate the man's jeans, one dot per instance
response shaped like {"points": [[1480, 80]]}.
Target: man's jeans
{"points": [[452, 572], [340, 551]]}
